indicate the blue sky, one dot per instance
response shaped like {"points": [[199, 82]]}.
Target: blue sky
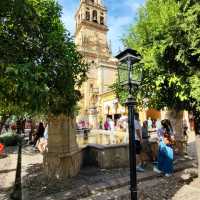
{"points": [[121, 13]]}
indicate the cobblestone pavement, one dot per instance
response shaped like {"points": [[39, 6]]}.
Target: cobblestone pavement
{"points": [[96, 184], [93, 183], [155, 189], [7, 172]]}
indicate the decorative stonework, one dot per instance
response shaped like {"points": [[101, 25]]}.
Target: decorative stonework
{"points": [[63, 158], [58, 165]]}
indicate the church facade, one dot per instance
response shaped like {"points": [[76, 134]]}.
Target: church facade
{"points": [[98, 99]]}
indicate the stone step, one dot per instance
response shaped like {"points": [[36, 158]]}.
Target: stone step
{"points": [[116, 188]]}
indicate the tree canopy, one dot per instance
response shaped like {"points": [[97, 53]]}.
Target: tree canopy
{"points": [[40, 68], [167, 36]]}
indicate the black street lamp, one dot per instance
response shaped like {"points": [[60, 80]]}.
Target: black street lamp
{"points": [[130, 76]]}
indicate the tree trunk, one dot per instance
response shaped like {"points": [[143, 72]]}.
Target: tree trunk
{"points": [[63, 158], [176, 119]]}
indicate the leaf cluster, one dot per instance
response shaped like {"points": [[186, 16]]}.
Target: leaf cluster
{"points": [[40, 68], [166, 34]]}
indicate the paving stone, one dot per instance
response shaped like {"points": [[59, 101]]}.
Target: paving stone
{"points": [[97, 184]]}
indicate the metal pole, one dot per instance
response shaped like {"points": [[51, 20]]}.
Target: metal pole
{"points": [[131, 126], [132, 152]]}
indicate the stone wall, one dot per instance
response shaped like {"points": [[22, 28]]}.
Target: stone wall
{"points": [[106, 156]]}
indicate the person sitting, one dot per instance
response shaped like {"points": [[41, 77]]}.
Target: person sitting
{"points": [[2, 154], [39, 133], [42, 142]]}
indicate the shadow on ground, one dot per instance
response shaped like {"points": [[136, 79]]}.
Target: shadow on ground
{"points": [[90, 182]]}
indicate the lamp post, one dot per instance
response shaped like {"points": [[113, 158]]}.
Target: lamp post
{"points": [[131, 77]]}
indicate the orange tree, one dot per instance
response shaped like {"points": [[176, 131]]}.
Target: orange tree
{"points": [[40, 67]]}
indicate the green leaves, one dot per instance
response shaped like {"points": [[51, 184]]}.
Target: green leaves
{"points": [[167, 35], [40, 67]]}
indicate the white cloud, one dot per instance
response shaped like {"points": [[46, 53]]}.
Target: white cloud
{"points": [[118, 19]]}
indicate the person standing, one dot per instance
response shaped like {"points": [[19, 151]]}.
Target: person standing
{"points": [[158, 124], [138, 142], [149, 123], [165, 152], [126, 134], [106, 125], [112, 131], [146, 146], [185, 135]]}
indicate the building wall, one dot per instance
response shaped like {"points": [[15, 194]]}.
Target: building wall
{"points": [[91, 40]]}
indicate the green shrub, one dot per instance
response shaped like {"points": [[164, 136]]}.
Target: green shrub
{"points": [[10, 139]]}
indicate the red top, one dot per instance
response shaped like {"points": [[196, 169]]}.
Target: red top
{"points": [[1, 148]]}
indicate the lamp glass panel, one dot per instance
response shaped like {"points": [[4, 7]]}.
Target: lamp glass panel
{"points": [[136, 74], [123, 72]]}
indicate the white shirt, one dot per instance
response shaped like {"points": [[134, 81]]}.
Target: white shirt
{"points": [[137, 126], [112, 125]]}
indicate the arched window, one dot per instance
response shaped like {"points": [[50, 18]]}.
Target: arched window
{"points": [[94, 16], [87, 14], [102, 20]]}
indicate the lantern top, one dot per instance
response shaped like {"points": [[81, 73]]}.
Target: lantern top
{"points": [[127, 54]]}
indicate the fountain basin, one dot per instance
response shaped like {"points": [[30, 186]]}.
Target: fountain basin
{"points": [[106, 156]]}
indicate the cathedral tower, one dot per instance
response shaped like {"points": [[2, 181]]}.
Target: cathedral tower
{"points": [[91, 40], [91, 29]]}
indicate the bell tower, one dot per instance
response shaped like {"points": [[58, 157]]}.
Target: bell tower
{"points": [[91, 40], [91, 30]]}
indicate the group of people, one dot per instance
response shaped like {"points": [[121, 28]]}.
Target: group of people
{"points": [[165, 154]]}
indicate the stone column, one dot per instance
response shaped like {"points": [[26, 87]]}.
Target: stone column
{"points": [[63, 158]]}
